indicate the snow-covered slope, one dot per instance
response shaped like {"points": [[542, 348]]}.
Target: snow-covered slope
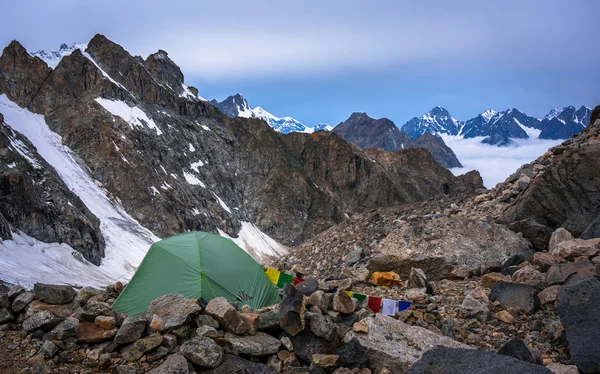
{"points": [[237, 106], [126, 240], [52, 58], [437, 121]]}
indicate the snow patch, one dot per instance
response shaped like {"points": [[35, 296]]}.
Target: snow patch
{"points": [[222, 203], [256, 243], [191, 148], [530, 131], [134, 116], [191, 179], [194, 166]]}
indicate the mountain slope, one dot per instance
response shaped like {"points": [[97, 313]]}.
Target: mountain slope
{"points": [[367, 132], [165, 161]]}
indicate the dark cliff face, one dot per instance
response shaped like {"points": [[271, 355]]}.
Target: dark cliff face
{"points": [[568, 193], [568, 123], [34, 199], [367, 132], [186, 166], [232, 105]]}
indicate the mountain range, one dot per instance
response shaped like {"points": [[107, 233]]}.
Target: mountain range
{"points": [[500, 128], [237, 106], [107, 152]]}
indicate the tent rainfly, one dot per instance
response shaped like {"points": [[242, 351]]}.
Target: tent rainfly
{"points": [[197, 265]]}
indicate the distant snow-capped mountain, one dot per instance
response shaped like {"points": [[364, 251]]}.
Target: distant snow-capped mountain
{"points": [[237, 106], [500, 128], [437, 121], [564, 123], [52, 58]]}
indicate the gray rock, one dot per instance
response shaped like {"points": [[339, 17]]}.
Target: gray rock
{"points": [[354, 255], [14, 291], [124, 369], [518, 349], [204, 320], [291, 311], [202, 352], [169, 342], [307, 287], [136, 350], [53, 294], [592, 230], [395, 345], [208, 331], [581, 268], [343, 303], [174, 364], [228, 317], [44, 320], [578, 306], [321, 300], [93, 309], [174, 309], [64, 330], [131, 329], [6, 316], [49, 349], [257, 345], [418, 279], [515, 295], [87, 292], [352, 355], [21, 301], [470, 361], [473, 308], [233, 364], [558, 236], [321, 326]]}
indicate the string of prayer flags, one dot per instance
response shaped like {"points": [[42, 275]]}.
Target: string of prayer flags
{"points": [[356, 295], [297, 280], [278, 278], [388, 307], [374, 303]]}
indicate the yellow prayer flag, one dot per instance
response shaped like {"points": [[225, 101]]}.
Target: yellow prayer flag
{"points": [[273, 275]]}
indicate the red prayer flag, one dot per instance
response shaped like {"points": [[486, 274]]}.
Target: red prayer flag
{"points": [[374, 303], [297, 280]]}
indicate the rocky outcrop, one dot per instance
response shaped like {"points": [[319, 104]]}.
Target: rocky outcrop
{"points": [[367, 132], [35, 200], [567, 193]]}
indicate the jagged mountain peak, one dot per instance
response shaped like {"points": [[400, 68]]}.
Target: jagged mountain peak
{"points": [[436, 121]]}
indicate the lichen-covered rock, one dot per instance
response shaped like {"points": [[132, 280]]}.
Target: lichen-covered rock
{"points": [[53, 294], [228, 317], [257, 345], [202, 352], [174, 309]]}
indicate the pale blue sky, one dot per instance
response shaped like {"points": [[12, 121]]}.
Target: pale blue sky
{"points": [[318, 61]]}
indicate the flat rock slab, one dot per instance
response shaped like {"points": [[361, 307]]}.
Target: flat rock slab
{"points": [[174, 309], [260, 344], [471, 361], [53, 294], [515, 295], [396, 346]]}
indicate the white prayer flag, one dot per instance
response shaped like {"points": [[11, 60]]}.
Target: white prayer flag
{"points": [[389, 307]]}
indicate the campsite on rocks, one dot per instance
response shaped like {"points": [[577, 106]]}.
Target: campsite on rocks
{"points": [[147, 229]]}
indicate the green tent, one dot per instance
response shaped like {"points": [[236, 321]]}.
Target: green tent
{"points": [[197, 265]]}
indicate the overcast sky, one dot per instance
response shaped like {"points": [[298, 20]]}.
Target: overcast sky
{"points": [[319, 61]]}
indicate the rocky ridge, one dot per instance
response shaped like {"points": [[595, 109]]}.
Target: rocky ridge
{"points": [[367, 132]]}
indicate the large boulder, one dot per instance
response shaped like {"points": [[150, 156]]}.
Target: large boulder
{"points": [[439, 245], [538, 234], [260, 344], [444, 360], [515, 295], [291, 311], [571, 249], [578, 306], [202, 352], [396, 346], [220, 309], [53, 294], [566, 194], [174, 309]]}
